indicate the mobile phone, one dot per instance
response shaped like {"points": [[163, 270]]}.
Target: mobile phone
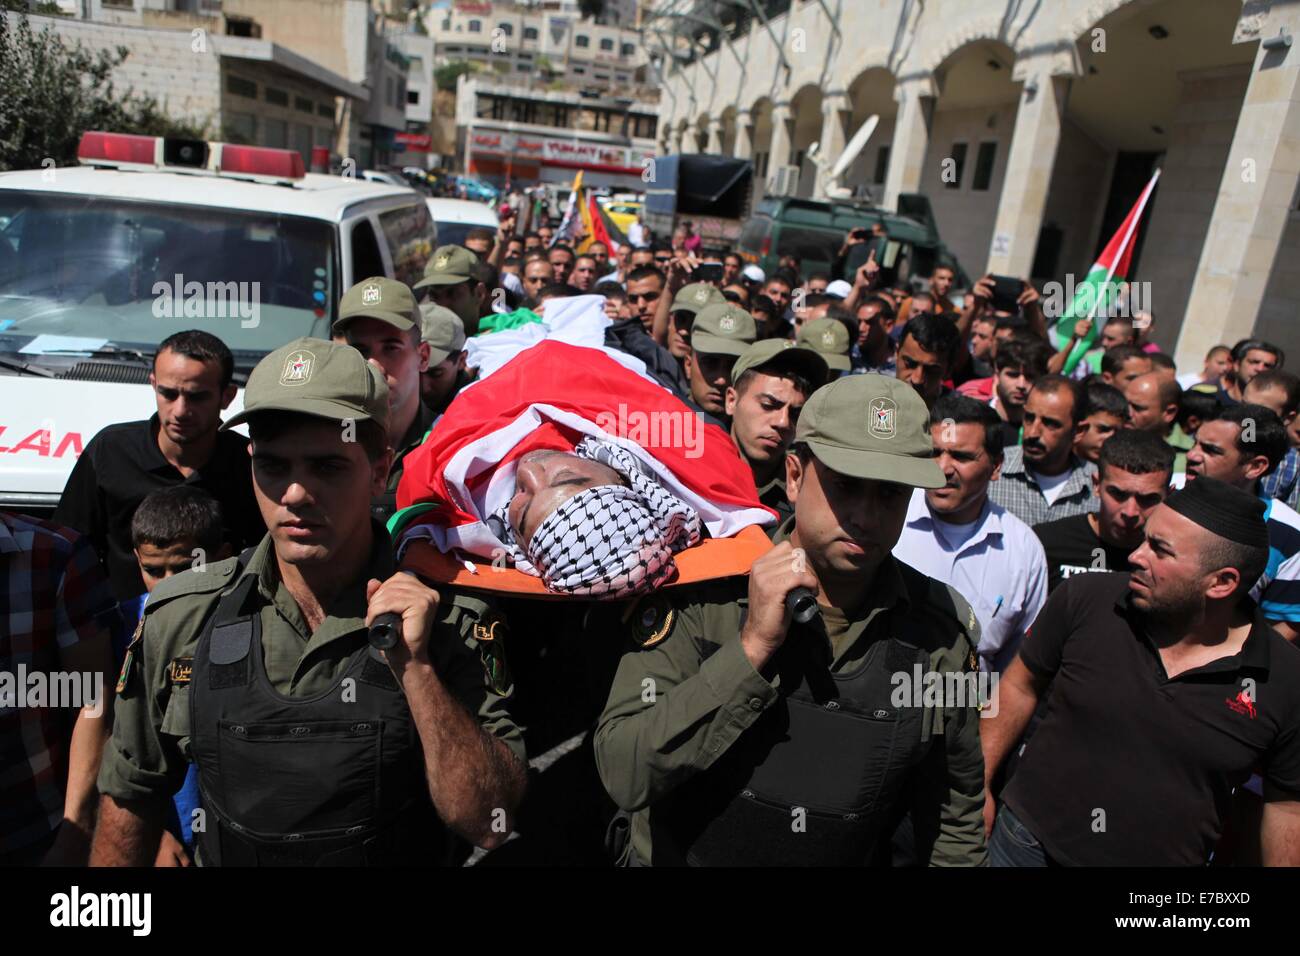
{"points": [[1006, 292], [707, 272]]}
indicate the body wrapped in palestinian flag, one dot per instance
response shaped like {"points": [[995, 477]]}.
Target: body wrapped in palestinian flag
{"points": [[550, 396]]}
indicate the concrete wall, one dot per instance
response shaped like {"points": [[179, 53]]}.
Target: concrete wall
{"points": [[162, 64], [965, 215], [1077, 199], [1189, 182]]}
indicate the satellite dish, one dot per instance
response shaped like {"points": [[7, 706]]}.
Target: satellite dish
{"points": [[855, 147]]}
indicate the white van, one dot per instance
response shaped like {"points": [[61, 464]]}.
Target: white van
{"points": [[101, 262], [455, 218]]}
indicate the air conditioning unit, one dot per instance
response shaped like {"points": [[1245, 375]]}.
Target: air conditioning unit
{"points": [[784, 181]]}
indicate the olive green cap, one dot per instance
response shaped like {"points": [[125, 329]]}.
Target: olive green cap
{"points": [[830, 338], [871, 426], [387, 300], [319, 378], [696, 296], [723, 329], [447, 266], [782, 355], [442, 330]]}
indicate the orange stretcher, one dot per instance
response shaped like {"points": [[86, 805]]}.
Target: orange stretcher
{"points": [[710, 559]]}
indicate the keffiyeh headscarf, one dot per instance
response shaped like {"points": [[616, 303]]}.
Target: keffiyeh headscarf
{"points": [[606, 542]]}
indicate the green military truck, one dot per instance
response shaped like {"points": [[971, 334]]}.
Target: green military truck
{"points": [[907, 242]]}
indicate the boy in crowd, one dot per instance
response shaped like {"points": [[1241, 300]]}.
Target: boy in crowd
{"points": [[173, 530], [1104, 412]]}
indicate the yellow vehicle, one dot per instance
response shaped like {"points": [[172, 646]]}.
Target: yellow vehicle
{"points": [[623, 212]]}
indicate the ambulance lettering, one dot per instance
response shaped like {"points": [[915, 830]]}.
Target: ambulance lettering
{"points": [[40, 441]]}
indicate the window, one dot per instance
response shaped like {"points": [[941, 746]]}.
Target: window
{"points": [[579, 70], [277, 97], [277, 133], [951, 172], [475, 26], [302, 141], [240, 127], [507, 29], [882, 165], [408, 231], [241, 87], [304, 105], [366, 260], [628, 49], [582, 41], [326, 110], [412, 97], [984, 160], [530, 33], [607, 45]]}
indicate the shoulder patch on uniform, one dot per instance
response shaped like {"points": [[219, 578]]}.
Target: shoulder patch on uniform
{"points": [[651, 620], [208, 578], [124, 676]]}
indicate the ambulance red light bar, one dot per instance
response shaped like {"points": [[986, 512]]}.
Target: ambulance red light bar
{"points": [[259, 161], [126, 150], [118, 148]]}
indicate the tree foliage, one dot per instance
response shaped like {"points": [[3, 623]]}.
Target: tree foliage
{"points": [[55, 91], [445, 77]]}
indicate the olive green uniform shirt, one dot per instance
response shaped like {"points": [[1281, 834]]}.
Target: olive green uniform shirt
{"points": [[146, 757], [681, 700], [385, 506], [773, 495]]}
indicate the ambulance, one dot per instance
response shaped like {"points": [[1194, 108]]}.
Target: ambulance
{"points": [[149, 236]]}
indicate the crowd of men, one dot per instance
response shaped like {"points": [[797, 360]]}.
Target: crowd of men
{"points": [[1112, 549]]}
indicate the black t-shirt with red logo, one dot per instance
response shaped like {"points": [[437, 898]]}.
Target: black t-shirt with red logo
{"points": [[1130, 767]]}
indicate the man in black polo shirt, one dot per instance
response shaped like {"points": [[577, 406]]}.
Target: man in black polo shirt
{"points": [[1131, 481], [1168, 689], [192, 384]]}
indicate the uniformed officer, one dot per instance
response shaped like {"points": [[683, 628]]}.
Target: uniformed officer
{"points": [[446, 375], [737, 737], [769, 385], [380, 319], [311, 747], [719, 336]]}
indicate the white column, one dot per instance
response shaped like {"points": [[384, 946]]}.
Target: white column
{"points": [[715, 137], [781, 139], [835, 118], [911, 138], [1028, 175], [1254, 201], [744, 148]]}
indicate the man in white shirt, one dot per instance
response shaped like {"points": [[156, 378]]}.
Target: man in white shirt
{"points": [[957, 535]]}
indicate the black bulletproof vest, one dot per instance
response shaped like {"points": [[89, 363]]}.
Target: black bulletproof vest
{"points": [[815, 781], [335, 779]]}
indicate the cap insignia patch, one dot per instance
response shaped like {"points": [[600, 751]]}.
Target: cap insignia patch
{"points": [[881, 418], [297, 368]]}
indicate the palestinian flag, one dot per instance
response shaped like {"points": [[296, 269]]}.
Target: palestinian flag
{"points": [[550, 396], [601, 228], [1097, 294]]}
